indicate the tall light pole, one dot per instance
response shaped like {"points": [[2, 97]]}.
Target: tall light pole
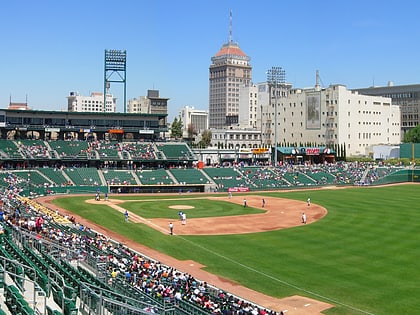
{"points": [[276, 76]]}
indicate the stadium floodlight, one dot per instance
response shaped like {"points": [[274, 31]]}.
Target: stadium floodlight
{"points": [[276, 76]]}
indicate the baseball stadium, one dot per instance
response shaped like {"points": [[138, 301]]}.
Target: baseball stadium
{"points": [[141, 227]]}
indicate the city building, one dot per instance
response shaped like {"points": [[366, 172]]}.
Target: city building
{"points": [[249, 109], [229, 71], [235, 138], [93, 103], [335, 116], [406, 96], [196, 119], [150, 104], [268, 96]]}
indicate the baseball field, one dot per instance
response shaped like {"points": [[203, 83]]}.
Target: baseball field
{"points": [[359, 252]]}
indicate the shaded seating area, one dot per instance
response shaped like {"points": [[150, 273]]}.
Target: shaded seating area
{"points": [[119, 177], [189, 176], [155, 177], [9, 149], [176, 152], [84, 176], [71, 149]]}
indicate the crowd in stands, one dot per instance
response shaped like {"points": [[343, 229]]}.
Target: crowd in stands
{"points": [[34, 150], [124, 265]]}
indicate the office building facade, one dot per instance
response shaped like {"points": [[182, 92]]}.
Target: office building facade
{"points": [[337, 116], [196, 119], [405, 96], [229, 71], [93, 103]]}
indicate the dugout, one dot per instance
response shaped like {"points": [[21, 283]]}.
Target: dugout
{"points": [[147, 189]]}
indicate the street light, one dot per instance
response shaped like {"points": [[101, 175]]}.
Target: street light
{"points": [[275, 77]]}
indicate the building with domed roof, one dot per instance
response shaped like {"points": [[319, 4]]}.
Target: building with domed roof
{"points": [[230, 70]]}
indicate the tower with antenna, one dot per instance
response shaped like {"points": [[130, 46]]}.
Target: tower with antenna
{"points": [[230, 64]]}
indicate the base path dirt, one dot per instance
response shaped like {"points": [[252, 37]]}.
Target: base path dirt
{"points": [[279, 213]]}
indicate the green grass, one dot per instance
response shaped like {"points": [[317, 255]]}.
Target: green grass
{"points": [[363, 256], [202, 208]]}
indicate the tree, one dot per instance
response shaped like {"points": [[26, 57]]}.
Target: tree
{"points": [[205, 139], [191, 132], [176, 129], [413, 135]]}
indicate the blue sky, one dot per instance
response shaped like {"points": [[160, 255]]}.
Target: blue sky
{"points": [[49, 48]]}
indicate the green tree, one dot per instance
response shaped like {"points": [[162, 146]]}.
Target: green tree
{"points": [[205, 139], [191, 132], [176, 129], [413, 135]]}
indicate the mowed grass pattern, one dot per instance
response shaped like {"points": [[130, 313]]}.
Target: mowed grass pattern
{"points": [[193, 208], [363, 256]]}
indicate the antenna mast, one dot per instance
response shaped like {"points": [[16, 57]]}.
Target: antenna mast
{"points": [[230, 27]]}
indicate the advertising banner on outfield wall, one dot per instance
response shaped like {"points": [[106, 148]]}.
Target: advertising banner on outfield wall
{"points": [[238, 189]]}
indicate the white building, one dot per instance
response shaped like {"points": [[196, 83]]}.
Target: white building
{"points": [[92, 103], [337, 116], [138, 105], [239, 138], [249, 109], [197, 119], [150, 104]]}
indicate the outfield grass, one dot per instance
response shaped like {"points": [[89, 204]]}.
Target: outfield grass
{"points": [[363, 256]]}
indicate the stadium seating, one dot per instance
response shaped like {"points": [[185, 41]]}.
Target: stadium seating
{"points": [[84, 176], [107, 151], [155, 177], [226, 177], [55, 175], [9, 150], [263, 178], [321, 177], [140, 151], [15, 302], [189, 176], [119, 177], [176, 152], [71, 150], [34, 149]]}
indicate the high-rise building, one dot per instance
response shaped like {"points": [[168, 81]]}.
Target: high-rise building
{"points": [[92, 103], [229, 71], [406, 96]]}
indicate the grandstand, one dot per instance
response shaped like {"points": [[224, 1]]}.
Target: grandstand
{"points": [[64, 268], [176, 152], [189, 175], [9, 150], [70, 149], [84, 176], [55, 175], [155, 177], [226, 177], [264, 178], [120, 177]]}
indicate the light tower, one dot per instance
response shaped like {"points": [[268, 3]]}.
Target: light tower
{"points": [[115, 71], [276, 77]]}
